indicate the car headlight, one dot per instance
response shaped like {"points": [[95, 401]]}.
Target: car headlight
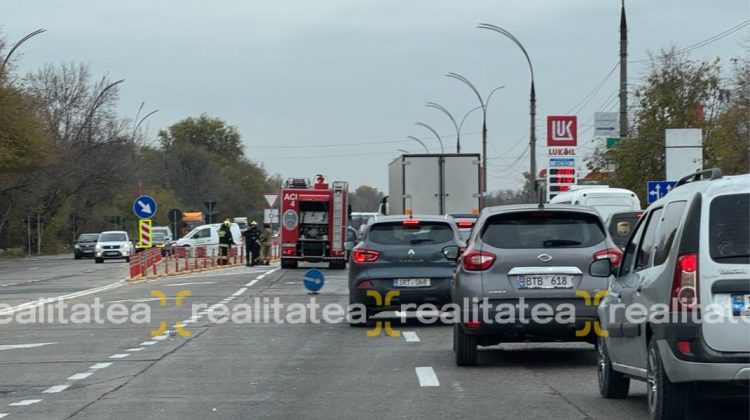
{"points": [[98, 247], [76, 246]]}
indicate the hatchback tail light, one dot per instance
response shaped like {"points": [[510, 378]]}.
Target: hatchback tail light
{"points": [[614, 255], [365, 255], [685, 283], [475, 260], [364, 284]]}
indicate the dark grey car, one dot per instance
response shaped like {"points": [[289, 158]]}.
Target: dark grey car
{"points": [[84, 245], [412, 255], [525, 260]]}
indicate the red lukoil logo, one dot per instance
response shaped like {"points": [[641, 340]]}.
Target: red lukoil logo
{"points": [[562, 130]]}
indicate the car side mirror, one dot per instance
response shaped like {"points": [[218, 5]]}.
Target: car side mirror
{"points": [[451, 252], [601, 268]]}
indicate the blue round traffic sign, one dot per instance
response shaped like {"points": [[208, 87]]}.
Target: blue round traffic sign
{"points": [[313, 280], [144, 207]]}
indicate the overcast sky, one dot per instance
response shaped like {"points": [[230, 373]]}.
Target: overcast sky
{"points": [[294, 76]]}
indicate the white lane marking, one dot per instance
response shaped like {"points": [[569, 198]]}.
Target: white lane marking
{"points": [[410, 336], [101, 365], [134, 349], [45, 301], [55, 389], [190, 284], [159, 338], [427, 376], [148, 343], [33, 268], [189, 321], [239, 292], [2, 415], [79, 376], [251, 283], [24, 402], [23, 346], [119, 356]]}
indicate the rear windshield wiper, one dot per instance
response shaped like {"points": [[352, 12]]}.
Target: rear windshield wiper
{"points": [[559, 242], [419, 241]]}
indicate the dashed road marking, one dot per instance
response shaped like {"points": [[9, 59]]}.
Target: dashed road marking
{"points": [[160, 338], [2, 415], [239, 292], [134, 349], [40, 302], [190, 284], [55, 389], [24, 403], [79, 376], [251, 283], [148, 343], [427, 376], [101, 365], [120, 355], [410, 336]]}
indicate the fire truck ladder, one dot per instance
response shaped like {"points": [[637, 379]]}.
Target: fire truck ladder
{"points": [[338, 211]]}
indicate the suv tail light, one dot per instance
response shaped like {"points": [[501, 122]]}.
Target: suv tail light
{"points": [[464, 224], [685, 283], [614, 255], [474, 260], [365, 255]]}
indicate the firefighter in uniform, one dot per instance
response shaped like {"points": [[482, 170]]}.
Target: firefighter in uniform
{"points": [[265, 244], [225, 241], [252, 236]]}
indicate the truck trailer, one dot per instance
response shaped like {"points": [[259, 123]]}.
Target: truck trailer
{"points": [[313, 222], [434, 184]]}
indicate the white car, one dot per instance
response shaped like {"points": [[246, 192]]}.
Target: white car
{"points": [[113, 244], [207, 235]]}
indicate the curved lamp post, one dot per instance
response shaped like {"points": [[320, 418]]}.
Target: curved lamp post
{"points": [[453, 120], [421, 124], [483, 105], [532, 94], [420, 142], [18, 44]]}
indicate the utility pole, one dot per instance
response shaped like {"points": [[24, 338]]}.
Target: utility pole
{"points": [[623, 73], [38, 234]]}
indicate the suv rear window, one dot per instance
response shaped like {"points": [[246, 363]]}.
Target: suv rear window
{"points": [[543, 229], [729, 229], [396, 233]]}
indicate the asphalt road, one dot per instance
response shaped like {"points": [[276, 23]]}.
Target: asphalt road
{"points": [[248, 369]]}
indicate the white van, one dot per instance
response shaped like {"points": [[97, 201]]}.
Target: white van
{"points": [[208, 235], [605, 200]]}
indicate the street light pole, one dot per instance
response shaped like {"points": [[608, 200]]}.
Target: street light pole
{"points": [[421, 124], [18, 44], [453, 120], [532, 96], [426, 150], [135, 129], [483, 105]]}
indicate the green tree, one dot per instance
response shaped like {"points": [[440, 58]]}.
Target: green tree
{"points": [[212, 134], [678, 93], [365, 198]]}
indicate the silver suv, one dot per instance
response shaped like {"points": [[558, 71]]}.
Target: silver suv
{"points": [[685, 281], [536, 269], [113, 244]]}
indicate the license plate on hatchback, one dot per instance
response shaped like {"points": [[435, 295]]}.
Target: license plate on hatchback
{"points": [[741, 304], [411, 283], [545, 281]]}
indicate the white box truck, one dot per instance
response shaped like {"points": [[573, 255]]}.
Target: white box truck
{"points": [[434, 184]]}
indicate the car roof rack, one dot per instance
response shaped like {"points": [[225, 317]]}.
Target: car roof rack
{"points": [[708, 174]]}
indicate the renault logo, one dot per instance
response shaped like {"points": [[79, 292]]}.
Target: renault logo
{"points": [[544, 257], [410, 253]]}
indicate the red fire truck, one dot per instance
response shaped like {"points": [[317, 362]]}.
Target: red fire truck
{"points": [[313, 222]]}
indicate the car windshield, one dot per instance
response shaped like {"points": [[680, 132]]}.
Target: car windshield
{"points": [[158, 236], [113, 237], [396, 233], [88, 237], [543, 229], [729, 229]]}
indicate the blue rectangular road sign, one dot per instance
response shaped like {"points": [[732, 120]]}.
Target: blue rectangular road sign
{"points": [[658, 189]]}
